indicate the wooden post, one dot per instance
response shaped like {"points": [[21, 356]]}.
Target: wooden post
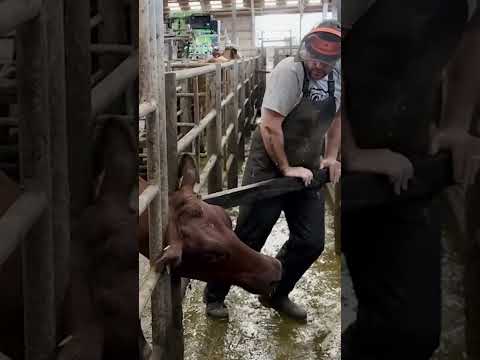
{"points": [[175, 341], [241, 120], [232, 143], [38, 247], [57, 110], [152, 90], [214, 135], [78, 71]]}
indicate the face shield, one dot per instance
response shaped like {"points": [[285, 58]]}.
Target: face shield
{"points": [[323, 45]]}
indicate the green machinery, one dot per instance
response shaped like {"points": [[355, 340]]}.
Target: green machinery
{"points": [[201, 30]]}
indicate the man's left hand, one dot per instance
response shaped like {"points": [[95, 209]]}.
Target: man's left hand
{"points": [[465, 150], [334, 167]]}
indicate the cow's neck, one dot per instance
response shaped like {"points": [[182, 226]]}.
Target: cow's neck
{"points": [[112, 190]]}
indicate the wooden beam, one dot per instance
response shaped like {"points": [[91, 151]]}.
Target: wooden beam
{"points": [[78, 102], [214, 137], [36, 174], [263, 190], [57, 110]]}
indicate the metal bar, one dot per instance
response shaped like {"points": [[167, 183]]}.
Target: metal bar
{"points": [[185, 124], [16, 12], [18, 220], [227, 100], [189, 73], [190, 94], [112, 86], [226, 138], [185, 141], [146, 198]]}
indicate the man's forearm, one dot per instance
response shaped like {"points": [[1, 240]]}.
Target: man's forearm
{"points": [[274, 141], [333, 138]]}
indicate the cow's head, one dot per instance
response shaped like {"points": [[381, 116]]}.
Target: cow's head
{"points": [[202, 245]]}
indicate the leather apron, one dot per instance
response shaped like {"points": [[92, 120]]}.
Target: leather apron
{"points": [[304, 131]]}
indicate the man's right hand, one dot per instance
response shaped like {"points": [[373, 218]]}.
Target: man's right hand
{"points": [[397, 167], [300, 172]]}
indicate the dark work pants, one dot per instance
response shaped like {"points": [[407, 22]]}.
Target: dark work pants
{"points": [[304, 211], [394, 258]]}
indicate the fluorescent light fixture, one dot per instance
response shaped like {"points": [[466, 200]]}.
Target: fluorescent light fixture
{"points": [[194, 3], [270, 3], [292, 2], [196, 7], [314, 2], [215, 2], [173, 5], [239, 4]]}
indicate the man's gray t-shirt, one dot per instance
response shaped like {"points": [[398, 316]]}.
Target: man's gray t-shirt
{"points": [[284, 88]]}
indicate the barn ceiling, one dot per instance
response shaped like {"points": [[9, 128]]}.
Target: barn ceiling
{"points": [[244, 6]]}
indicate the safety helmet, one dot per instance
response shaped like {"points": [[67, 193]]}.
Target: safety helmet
{"points": [[323, 43]]}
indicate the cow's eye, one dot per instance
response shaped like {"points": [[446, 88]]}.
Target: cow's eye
{"points": [[215, 257]]}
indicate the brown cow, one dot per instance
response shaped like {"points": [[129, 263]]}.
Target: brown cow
{"points": [[202, 244], [103, 293]]}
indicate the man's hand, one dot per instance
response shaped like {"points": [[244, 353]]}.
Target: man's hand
{"points": [[465, 150], [334, 168], [300, 172], [385, 162]]}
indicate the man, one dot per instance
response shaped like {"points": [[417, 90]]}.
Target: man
{"points": [[460, 130], [393, 251], [300, 109]]}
